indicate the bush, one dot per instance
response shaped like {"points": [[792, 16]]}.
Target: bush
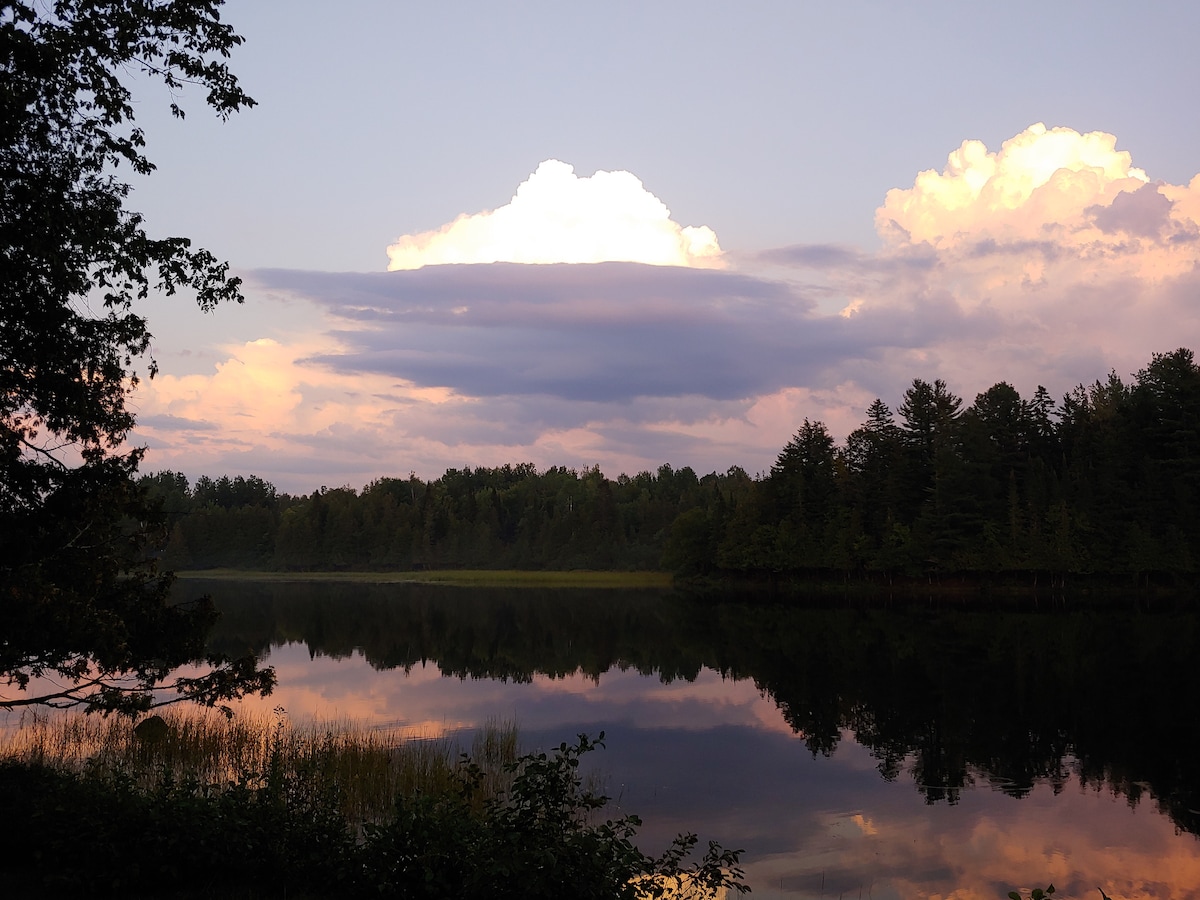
{"points": [[282, 833], [536, 841]]}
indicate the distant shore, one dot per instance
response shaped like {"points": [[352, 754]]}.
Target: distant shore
{"points": [[950, 586], [458, 577]]}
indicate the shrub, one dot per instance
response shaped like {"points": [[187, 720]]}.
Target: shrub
{"points": [[282, 831]]}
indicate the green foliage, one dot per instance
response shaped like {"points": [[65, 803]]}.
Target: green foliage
{"points": [[364, 768], [998, 491], [538, 840], [278, 832], [82, 603], [145, 843], [1036, 894], [1039, 894]]}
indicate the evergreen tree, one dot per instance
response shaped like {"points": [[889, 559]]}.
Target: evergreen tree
{"points": [[803, 485]]}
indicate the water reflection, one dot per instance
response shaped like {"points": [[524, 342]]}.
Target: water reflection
{"points": [[424, 702], [769, 727]]}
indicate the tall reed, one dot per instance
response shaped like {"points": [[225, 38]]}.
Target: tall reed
{"points": [[364, 768]]}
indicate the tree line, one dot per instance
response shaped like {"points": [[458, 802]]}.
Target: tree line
{"points": [[1106, 482]]}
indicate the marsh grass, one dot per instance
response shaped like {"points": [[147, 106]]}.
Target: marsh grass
{"points": [[364, 769], [257, 807], [454, 577]]}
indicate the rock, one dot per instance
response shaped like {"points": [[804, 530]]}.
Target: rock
{"points": [[152, 730]]}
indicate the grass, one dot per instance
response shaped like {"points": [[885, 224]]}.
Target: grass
{"points": [[454, 577], [256, 807], [364, 768]]}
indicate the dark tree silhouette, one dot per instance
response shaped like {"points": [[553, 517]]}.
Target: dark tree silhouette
{"points": [[80, 601]]}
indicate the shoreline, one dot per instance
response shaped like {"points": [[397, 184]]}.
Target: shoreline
{"points": [[582, 578]]}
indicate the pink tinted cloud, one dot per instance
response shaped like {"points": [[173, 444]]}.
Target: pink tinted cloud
{"points": [[1049, 260]]}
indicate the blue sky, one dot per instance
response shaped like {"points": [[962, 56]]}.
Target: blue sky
{"points": [[779, 126]]}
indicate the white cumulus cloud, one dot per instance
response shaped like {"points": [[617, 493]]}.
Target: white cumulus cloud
{"points": [[1040, 181], [1072, 258], [1048, 261], [557, 216]]}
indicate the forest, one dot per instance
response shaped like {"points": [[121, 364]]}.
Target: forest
{"points": [[1104, 483]]}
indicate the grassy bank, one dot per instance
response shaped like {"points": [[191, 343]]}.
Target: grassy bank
{"points": [[190, 805], [457, 577], [364, 769]]}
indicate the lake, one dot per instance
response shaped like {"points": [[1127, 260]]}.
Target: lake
{"points": [[865, 750]]}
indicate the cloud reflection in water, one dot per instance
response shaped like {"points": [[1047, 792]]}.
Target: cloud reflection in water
{"points": [[714, 755]]}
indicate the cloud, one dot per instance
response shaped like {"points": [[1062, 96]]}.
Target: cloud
{"points": [[318, 412], [1085, 261], [1145, 212], [1048, 261], [833, 257], [558, 217], [601, 332], [604, 332], [1036, 181], [1081, 262]]}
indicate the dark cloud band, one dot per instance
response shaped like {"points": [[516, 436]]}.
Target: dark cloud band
{"points": [[594, 332]]}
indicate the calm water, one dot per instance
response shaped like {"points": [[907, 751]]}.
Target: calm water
{"points": [[873, 751]]}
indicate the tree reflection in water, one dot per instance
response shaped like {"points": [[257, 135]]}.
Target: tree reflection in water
{"points": [[1018, 700]]}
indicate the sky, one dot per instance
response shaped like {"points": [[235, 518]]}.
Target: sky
{"points": [[629, 234]]}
